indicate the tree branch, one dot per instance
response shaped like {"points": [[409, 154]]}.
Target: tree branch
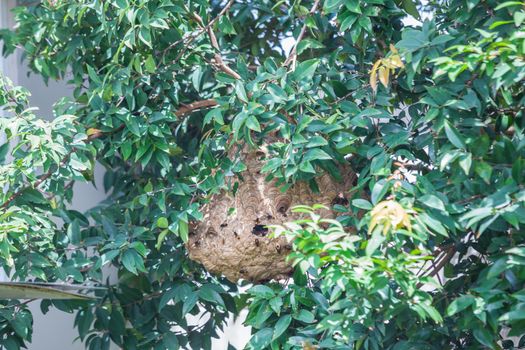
{"points": [[293, 54], [188, 108], [438, 266], [188, 40], [213, 39]]}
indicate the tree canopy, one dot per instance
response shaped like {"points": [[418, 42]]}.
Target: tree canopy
{"points": [[427, 253]]}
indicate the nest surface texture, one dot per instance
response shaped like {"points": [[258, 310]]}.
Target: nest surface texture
{"points": [[235, 243]]}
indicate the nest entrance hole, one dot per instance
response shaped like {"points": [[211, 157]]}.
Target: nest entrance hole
{"points": [[260, 230]]}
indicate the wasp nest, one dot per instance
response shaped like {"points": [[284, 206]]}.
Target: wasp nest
{"points": [[232, 239]]}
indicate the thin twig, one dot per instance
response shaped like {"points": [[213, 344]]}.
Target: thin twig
{"points": [[23, 303], [292, 58], [436, 268], [437, 260], [213, 39], [188, 108], [191, 38], [206, 28], [437, 274], [450, 254]]}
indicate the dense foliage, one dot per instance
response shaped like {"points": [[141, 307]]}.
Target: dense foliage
{"points": [[429, 253]]}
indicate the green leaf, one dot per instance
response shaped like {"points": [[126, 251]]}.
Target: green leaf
{"points": [[508, 4], [485, 337], [519, 18], [238, 122], [353, 5], [21, 324], [189, 303], [306, 69], [365, 23], [10, 344], [305, 316], [83, 321], [73, 232], [262, 338], [208, 293], [432, 312], [410, 7], [128, 260], [109, 227], [465, 162], [362, 204], [240, 91], [454, 137], [316, 154], [308, 44], [412, 40], [161, 238], [460, 304], [332, 5], [167, 296], [277, 92], [281, 326], [3, 152], [216, 115], [448, 158], [125, 148], [150, 64], [316, 141], [484, 171], [145, 36], [253, 124], [117, 323], [374, 242], [271, 165], [93, 75], [306, 167], [512, 316], [262, 291], [379, 190], [170, 340], [162, 222], [183, 231], [433, 202], [276, 304]]}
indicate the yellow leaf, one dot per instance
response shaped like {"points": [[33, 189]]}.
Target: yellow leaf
{"points": [[372, 224], [384, 75], [396, 61], [308, 346], [376, 65], [373, 76], [389, 214], [373, 80], [93, 131], [393, 49]]}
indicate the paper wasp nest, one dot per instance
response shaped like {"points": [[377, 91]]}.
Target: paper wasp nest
{"points": [[235, 243]]}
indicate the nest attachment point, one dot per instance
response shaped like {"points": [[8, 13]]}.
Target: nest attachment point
{"points": [[235, 243]]}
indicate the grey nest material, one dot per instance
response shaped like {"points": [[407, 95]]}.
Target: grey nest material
{"points": [[232, 239]]}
